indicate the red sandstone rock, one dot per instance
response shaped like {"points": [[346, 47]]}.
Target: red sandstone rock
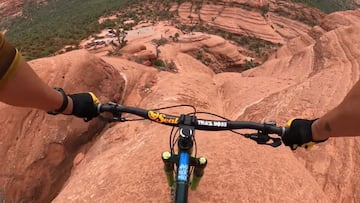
{"points": [[308, 76], [37, 149]]}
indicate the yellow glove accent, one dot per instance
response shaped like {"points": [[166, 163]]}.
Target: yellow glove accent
{"points": [[15, 64], [95, 99], [288, 124], [308, 145]]}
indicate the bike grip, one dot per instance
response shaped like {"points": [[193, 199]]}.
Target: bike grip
{"points": [[287, 130], [100, 108], [97, 107]]}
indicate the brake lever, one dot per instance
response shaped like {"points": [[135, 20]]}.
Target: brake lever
{"points": [[112, 119], [263, 139]]}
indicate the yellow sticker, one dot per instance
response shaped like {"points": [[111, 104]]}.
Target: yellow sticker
{"points": [[162, 118], [153, 115]]}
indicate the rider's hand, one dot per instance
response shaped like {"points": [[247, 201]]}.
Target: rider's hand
{"points": [[84, 105], [299, 134]]}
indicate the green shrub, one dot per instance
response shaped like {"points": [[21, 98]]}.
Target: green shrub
{"points": [[250, 64], [159, 63], [264, 9], [45, 28], [329, 5], [160, 42]]}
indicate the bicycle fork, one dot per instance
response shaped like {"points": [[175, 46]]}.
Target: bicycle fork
{"points": [[198, 172], [199, 165]]}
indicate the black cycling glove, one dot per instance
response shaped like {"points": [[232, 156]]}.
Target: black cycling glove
{"points": [[299, 134], [84, 105]]}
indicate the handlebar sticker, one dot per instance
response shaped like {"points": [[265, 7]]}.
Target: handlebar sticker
{"points": [[162, 118], [212, 123]]}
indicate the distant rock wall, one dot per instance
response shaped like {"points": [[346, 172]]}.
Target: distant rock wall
{"points": [[274, 21], [320, 73]]}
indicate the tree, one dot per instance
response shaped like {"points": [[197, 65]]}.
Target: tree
{"points": [[120, 35]]}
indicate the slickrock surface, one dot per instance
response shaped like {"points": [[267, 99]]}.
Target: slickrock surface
{"points": [[38, 149], [306, 77], [46, 157]]}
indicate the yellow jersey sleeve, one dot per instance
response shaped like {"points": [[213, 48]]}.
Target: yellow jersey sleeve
{"points": [[9, 60]]}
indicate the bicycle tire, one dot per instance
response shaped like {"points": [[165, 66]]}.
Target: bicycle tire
{"points": [[172, 193]]}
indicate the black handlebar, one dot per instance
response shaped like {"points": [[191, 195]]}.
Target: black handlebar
{"points": [[200, 124]]}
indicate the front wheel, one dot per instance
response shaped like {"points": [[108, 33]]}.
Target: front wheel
{"points": [[181, 192], [172, 193]]}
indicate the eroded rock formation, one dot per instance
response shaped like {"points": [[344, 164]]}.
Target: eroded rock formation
{"points": [[37, 149], [307, 76]]}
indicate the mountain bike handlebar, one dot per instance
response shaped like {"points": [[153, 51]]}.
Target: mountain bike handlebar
{"points": [[182, 168], [199, 124]]}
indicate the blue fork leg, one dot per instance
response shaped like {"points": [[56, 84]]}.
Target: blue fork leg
{"points": [[182, 178]]}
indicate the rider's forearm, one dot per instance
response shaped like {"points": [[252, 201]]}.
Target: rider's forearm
{"points": [[342, 120], [26, 89]]}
